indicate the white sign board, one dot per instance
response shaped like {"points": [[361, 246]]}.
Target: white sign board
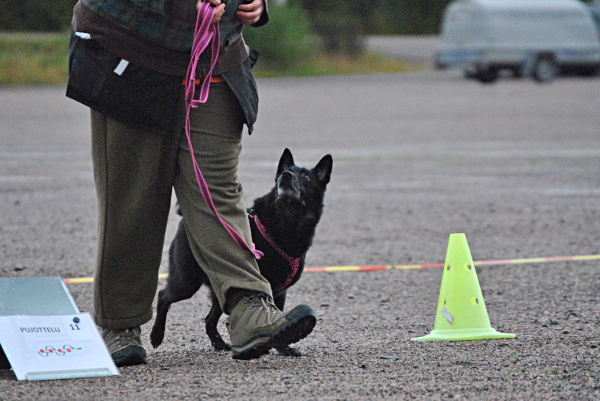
{"points": [[55, 347]]}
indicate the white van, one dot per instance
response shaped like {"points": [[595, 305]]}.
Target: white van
{"points": [[536, 38]]}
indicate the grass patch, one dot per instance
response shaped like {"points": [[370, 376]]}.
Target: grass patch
{"points": [[33, 58], [42, 59], [321, 64]]}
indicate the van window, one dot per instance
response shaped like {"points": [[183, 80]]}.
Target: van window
{"points": [[464, 25]]}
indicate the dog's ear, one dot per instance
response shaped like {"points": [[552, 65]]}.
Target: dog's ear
{"points": [[323, 169], [286, 161]]}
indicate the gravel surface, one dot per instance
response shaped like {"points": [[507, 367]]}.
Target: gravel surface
{"points": [[417, 157]]}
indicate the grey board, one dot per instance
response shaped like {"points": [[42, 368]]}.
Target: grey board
{"points": [[35, 296]]}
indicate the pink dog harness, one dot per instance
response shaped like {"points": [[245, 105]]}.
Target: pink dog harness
{"points": [[293, 262], [206, 33]]}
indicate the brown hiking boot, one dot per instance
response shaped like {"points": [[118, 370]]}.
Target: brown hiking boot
{"points": [[256, 325], [125, 346]]}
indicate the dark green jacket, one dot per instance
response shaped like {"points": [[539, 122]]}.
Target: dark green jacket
{"points": [[91, 69]]}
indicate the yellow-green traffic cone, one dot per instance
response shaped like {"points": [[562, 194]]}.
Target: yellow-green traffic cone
{"points": [[461, 314]]}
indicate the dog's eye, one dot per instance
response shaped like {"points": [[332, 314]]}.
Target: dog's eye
{"points": [[306, 178]]}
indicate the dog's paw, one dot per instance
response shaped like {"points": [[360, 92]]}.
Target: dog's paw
{"points": [[221, 346], [288, 351], [156, 337]]}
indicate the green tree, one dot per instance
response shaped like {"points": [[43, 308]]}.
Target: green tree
{"points": [[341, 25], [408, 17], [285, 41]]}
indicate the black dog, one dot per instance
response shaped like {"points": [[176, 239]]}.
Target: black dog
{"points": [[283, 224]]}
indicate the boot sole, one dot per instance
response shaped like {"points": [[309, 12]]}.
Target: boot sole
{"points": [[301, 326], [254, 352], [302, 320], [130, 356]]}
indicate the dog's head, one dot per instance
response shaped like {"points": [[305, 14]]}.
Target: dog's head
{"points": [[300, 184]]}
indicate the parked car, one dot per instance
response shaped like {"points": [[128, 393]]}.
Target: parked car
{"points": [[595, 9], [534, 38]]}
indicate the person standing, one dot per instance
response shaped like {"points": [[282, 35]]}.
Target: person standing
{"points": [[127, 60]]}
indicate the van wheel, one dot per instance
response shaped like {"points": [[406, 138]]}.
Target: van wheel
{"points": [[590, 71], [544, 69], [488, 75], [470, 72], [517, 72]]}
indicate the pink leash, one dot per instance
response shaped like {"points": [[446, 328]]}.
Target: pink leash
{"points": [[207, 33]]}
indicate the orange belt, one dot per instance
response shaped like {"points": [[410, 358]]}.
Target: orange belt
{"points": [[213, 80]]}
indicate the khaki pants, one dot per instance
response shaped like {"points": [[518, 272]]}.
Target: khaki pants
{"points": [[135, 172]]}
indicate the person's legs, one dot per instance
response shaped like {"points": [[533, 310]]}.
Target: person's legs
{"points": [[255, 323], [134, 172], [216, 133]]}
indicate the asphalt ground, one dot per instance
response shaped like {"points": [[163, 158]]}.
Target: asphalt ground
{"points": [[417, 156]]}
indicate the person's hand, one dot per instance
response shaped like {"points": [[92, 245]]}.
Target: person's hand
{"points": [[219, 9], [250, 13]]}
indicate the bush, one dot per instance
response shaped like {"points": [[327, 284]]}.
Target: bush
{"points": [[408, 17], [285, 41], [36, 15], [340, 24]]}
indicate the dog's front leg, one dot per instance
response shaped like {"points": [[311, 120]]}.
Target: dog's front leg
{"points": [[211, 321], [158, 330], [279, 299], [284, 350]]}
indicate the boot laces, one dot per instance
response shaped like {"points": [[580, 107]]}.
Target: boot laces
{"points": [[264, 303], [125, 337]]}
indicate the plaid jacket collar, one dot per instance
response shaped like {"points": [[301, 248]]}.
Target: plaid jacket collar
{"points": [[147, 19]]}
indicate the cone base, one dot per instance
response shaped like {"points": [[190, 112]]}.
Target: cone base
{"points": [[464, 335]]}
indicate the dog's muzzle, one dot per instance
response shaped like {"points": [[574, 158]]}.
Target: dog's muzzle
{"points": [[287, 186]]}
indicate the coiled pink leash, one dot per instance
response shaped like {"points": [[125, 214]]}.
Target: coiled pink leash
{"points": [[207, 33]]}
